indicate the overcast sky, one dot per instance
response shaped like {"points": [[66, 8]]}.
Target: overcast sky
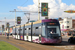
{"points": [[57, 8]]}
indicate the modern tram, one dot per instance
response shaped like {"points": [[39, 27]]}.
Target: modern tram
{"points": [[42, 31]]}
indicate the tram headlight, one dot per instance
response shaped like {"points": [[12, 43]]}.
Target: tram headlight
{"points": [[60, 38]]}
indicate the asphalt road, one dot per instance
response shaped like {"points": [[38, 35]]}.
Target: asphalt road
{"points": [[65, 41], [24, 45]]}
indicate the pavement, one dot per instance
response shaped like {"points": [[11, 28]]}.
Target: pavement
{"points": [[24, 45]]}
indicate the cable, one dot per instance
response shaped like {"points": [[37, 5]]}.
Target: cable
{"points": [[24, 3], [10, 14]]}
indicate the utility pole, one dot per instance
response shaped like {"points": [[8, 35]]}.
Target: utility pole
{"points": [[15, 22], [38, 9], [25, 12], [5, 26], [15, 19]]}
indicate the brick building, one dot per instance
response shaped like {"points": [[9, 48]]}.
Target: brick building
{"points": [[73, 23]]}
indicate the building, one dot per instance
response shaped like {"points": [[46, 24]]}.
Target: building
{"points": [[66, 24]]}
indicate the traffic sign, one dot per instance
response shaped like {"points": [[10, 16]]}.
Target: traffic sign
{"points": [[2, 27], [18, 20], [7, 25]]}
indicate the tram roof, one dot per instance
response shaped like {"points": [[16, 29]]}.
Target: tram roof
{"points": [[34, 22], [39, 21]]}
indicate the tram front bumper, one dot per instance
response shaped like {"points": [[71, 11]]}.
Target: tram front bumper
{"points": [[46, 40]]}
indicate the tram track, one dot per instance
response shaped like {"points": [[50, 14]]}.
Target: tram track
{"points": [[30, 46], [39, 46]]}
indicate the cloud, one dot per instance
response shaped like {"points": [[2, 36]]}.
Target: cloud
{"points": [[28, 8], [57, 8]]}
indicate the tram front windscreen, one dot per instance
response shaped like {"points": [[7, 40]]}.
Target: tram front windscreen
{"points": [[53, 29]]}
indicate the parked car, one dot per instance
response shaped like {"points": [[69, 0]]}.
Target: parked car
{"points": [[10, 33], [72, 39]]}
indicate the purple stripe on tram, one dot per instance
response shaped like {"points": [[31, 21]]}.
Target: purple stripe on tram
{"points": [[50, 20]]}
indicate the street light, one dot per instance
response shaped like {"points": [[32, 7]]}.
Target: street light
{"points": [[5, 26]]}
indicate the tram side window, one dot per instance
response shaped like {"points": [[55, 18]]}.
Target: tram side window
{"points": [[58, 31], [25, 31], [29, 31], [37, 31], [14, 31], [17, 31], [20, 31], [33, 31], [43, 30]]}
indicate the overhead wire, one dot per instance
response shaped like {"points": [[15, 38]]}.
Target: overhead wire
{"points": [[24, 3], [10, 14]]}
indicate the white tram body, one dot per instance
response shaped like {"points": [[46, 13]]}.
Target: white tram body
{"points": [[39, 31]]}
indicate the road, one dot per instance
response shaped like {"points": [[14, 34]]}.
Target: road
{"points": [[65, 41], [24, 45]]}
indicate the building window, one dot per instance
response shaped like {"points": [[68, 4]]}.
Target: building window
{"points": [[66, 21], [62, 26], [66, 26], [73, 21]]}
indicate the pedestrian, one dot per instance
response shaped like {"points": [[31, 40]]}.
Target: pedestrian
{"points": [[7, 35]]}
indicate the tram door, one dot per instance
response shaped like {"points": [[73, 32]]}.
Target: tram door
{"points": [[21, 33]]}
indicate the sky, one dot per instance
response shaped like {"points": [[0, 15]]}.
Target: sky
{"points": [[57, 8]]}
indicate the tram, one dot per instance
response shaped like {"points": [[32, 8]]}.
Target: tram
{"points": [[42, 31]]}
